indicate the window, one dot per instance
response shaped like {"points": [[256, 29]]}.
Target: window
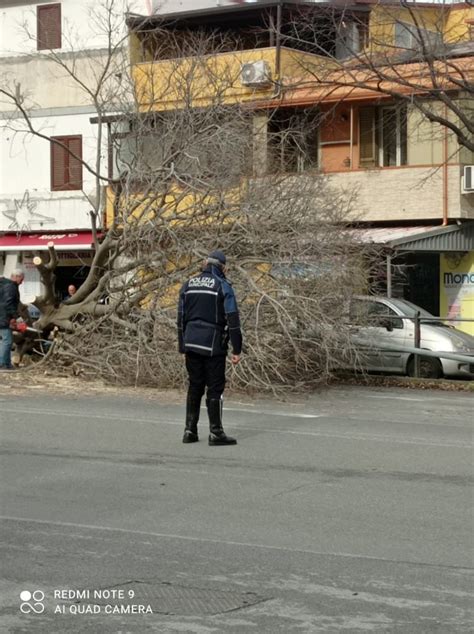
{"points": [[351, 38], [66, 170], [368, 138], [374, 314], [412, 37], [293, 140], [378, 313], [195, 147], [48, 18], [393, 137], [383, 136]]}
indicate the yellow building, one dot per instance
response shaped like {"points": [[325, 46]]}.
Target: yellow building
{"points": [[303, 61]]}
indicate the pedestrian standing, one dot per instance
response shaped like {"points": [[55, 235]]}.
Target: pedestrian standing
{"points": [[9, 304], [208, 318]]}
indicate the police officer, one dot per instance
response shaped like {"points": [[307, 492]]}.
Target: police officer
{"points": [[207, 318]]}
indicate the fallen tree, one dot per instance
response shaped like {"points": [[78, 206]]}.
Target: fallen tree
{"points": [[186, 180]]}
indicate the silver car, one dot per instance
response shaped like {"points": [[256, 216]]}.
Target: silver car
{"points": [[378, 335]]}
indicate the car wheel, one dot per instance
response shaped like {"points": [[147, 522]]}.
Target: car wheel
{"points": [[430, 368]]}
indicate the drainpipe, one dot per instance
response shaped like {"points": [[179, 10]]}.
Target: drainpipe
{"points": [[389, 276], [445, 172], [110, 152], [352, 138], [278, 43], [277, 91]]}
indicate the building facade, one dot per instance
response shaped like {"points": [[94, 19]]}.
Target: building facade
{"points": [[51, 58], [405, 171], [288, 63]]}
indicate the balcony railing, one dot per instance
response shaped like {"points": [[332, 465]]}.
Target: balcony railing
{"points": [[203, 81]]}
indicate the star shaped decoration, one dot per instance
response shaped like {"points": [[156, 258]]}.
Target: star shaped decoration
{"points": [[24, 214]]}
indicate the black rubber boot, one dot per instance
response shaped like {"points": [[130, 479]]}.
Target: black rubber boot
{"points": [[193, 405], [217, 435]]}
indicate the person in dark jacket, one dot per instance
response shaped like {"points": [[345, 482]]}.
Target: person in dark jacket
{"points": [[9, 303], [208, 318]]}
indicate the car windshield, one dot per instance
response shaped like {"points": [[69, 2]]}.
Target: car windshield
{"points": [[302, 270], [410, 309]]}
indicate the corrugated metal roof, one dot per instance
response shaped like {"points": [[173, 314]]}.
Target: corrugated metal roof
{"points": [[385, 235], [434, 239], [443, 239]]}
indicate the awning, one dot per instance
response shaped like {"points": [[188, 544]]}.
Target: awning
{"points": [[80, 241], [427, 239], [457, 238], [385, 235]]}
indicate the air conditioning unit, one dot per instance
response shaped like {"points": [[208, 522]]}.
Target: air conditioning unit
{"points": [[256, 74], [468, 180]]}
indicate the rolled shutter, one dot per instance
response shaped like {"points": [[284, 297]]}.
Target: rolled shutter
{"points": [[368, 146]]}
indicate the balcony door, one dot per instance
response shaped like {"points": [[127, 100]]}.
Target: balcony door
{"points": [[393, 137]]}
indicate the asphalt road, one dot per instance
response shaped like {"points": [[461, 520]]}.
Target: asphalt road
{"points": [[349, 511]]}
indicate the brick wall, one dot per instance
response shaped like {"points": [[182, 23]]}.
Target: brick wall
{"points": [[409, 193]]}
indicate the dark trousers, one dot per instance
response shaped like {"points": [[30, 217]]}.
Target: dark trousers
{"points": [[205, 372]]}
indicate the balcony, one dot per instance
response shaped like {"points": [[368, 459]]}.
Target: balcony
{"points": [[405, 193], [381, 195], [212, 79], [174, 207]]}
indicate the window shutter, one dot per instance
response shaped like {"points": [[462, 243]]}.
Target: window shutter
{"points": [[75, 166], [368, 137], [48, 26], [66, 170], [58, 167]]}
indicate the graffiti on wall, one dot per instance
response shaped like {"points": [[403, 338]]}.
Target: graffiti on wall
{"points": [[24, 215]]}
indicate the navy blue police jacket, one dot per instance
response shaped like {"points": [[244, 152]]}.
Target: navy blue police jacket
{"points": [[208, 315]]}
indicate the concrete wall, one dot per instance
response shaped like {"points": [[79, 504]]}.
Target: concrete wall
{"points": [[82, 24], [57, 105], [42, 76], [45, 84], [25, 164]]}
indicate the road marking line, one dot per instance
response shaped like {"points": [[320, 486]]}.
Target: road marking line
{"points": [[262, 429], [225, 542], [271, 412], [147, 420], [428, 399], [226, 409], [397, 398]]}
